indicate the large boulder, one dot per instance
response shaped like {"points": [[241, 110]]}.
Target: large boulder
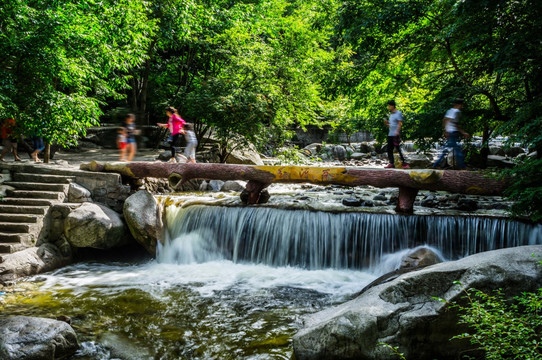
{"points": [[143, 216], [403, 313], [95, 226], [35, 260], [25, 337]]}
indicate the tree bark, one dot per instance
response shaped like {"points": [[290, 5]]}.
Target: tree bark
{"points": [[259, 177]]}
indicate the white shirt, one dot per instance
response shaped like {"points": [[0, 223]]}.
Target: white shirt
{"points": [[394, 120], [453, 115]]}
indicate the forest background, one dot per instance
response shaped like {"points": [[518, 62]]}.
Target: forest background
{"points": [[254, 70]]}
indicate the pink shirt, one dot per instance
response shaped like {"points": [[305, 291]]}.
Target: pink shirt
{"points": [[175, 124]]}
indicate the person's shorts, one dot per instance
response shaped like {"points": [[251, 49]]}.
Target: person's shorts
{"points": [[9, 143], [131, 141], [190, 150], [122, 145]]}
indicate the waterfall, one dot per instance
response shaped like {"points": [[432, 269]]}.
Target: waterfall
{"points": [[320, 240]]}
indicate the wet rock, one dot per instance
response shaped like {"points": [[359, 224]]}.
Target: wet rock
{"points": [[368, 203], [499, 206], [403, 312], [351, 202], [95, 226], [467, 205], [25, 337], [380, 197], [143, 217], [33, 261], [420, 257]]}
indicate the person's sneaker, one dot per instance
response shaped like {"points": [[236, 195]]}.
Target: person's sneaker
{"points": [[172, 160], [406, 166], [390, 166]]}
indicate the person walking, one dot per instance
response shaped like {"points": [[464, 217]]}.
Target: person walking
{"points": [[38, 146], [131, 132], [395, 123], [452, 130], [121, 143], [9, 139], [175, 125], [191, 143]]}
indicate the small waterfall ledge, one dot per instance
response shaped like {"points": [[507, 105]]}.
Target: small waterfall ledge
{"points": [[320, 240]]}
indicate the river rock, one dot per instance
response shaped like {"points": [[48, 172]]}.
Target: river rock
{"points": [[420, 257], [143, 217], [231, 185], [467, 205], [339, 152], [351, 202], [500, 162], [95, 226], [33, 261], [514, 151], [25, 337], [420, 161], [312, 149], [245, 156], [404, 314], [78, 194], [359, 156]]}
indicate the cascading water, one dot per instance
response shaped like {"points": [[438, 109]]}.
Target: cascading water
{"points": [[233, 283], [320, 240]]}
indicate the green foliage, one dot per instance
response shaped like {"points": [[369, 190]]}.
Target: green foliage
{"points": [[504, 328], [290, 155], [63, 59], [394, 351], [525, 189]]}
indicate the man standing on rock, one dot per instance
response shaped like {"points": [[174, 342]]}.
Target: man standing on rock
{"points": [[395, 122], [452, 131]]}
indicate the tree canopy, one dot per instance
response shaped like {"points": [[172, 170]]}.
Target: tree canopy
{"points": [[251, 70]]}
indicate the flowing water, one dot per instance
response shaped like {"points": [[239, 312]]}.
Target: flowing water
{"points": [[234, 283]]}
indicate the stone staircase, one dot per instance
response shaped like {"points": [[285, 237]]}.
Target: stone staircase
{"points": [[24, 209]]}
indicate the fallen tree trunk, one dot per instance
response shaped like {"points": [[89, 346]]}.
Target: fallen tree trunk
{"points": [[259, 177]]}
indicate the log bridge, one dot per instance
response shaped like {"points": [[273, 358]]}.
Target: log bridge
{"points": [[258, 178]]}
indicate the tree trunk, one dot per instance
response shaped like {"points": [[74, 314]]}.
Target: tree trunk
{"points": [[259, 177], [47, 153]]}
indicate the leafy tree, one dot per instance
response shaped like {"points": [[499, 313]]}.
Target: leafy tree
{"points": [[64, 59]]}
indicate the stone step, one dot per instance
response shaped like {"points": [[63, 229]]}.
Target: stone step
{"points": [[36, 194], [19, 218], [23, 238], [10, 227], [10, 248], [28, 202], [18, 209], [38, 186], [43, 178]]}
